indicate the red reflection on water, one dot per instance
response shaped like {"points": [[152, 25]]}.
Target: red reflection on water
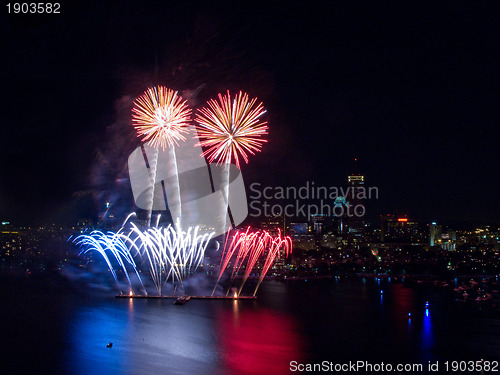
{"points": [[404, 301], [403, 298], [258, 342]]}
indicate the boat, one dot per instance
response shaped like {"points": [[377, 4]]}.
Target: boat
{"points": [[181, 300]]}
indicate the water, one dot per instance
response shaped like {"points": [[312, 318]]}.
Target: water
{"points": [[53, 330]]}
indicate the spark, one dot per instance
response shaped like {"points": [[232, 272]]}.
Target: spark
{"points": [[172, 254], [248, 248], [169, 253], [105, 243], [231, 128], [160, 117], [277, 246]]}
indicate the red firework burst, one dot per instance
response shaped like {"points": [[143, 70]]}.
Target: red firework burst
{"points": [[160, 117], [231, 127]]}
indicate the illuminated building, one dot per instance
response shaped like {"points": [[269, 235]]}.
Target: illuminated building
{"points": [[356, 194], [297, 228], [399, 229], [447, 240], [318, 226], [339, 206], [273, 225], [435, 233], [318, 223], [301, 235], [12, 241]]}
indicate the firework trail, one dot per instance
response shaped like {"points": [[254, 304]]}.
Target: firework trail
{"points": [[243, 244], [230, 128], [161, 118], [244, 247], [112, 243], [169, 253], [130, 215], [276, 245], [227, 253], [258, 244], [247, 248], [173, 254], [250, 247]]}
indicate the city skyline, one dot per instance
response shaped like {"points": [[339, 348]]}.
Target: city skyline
{"points": [[309, 194]]}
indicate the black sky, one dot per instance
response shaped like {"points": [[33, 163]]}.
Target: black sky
{"points": [[411, 90]]}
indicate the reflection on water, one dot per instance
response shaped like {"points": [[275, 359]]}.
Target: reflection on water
{"points": [[199, 337], [92, 329], [148, 336], [427, 334], [402, 311], [337, 320], [257, 341]]}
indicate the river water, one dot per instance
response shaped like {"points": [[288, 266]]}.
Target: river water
{"points": [[52, 330]]}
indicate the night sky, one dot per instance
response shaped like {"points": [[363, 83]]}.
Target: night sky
{"points": [[409, 90]]}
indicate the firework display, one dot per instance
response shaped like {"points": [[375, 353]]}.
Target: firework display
{"points": [[246, 248], [168, 253], [108, 243], [161, 117], [171, 254], [230, 128], [274, 246]]}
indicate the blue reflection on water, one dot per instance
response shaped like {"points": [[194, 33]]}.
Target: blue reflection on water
{"points": [[92, 330], [203, 337], [427, 333], [147, 337]]}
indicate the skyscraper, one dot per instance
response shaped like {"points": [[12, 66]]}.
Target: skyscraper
{"points": [[355, 201], [435, 234], [400, 229]]}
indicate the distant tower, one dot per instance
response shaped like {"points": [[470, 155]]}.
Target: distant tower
{"points": [[318, 224], [339, 208], [356, 204], [385, 227], [435, 234]]}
